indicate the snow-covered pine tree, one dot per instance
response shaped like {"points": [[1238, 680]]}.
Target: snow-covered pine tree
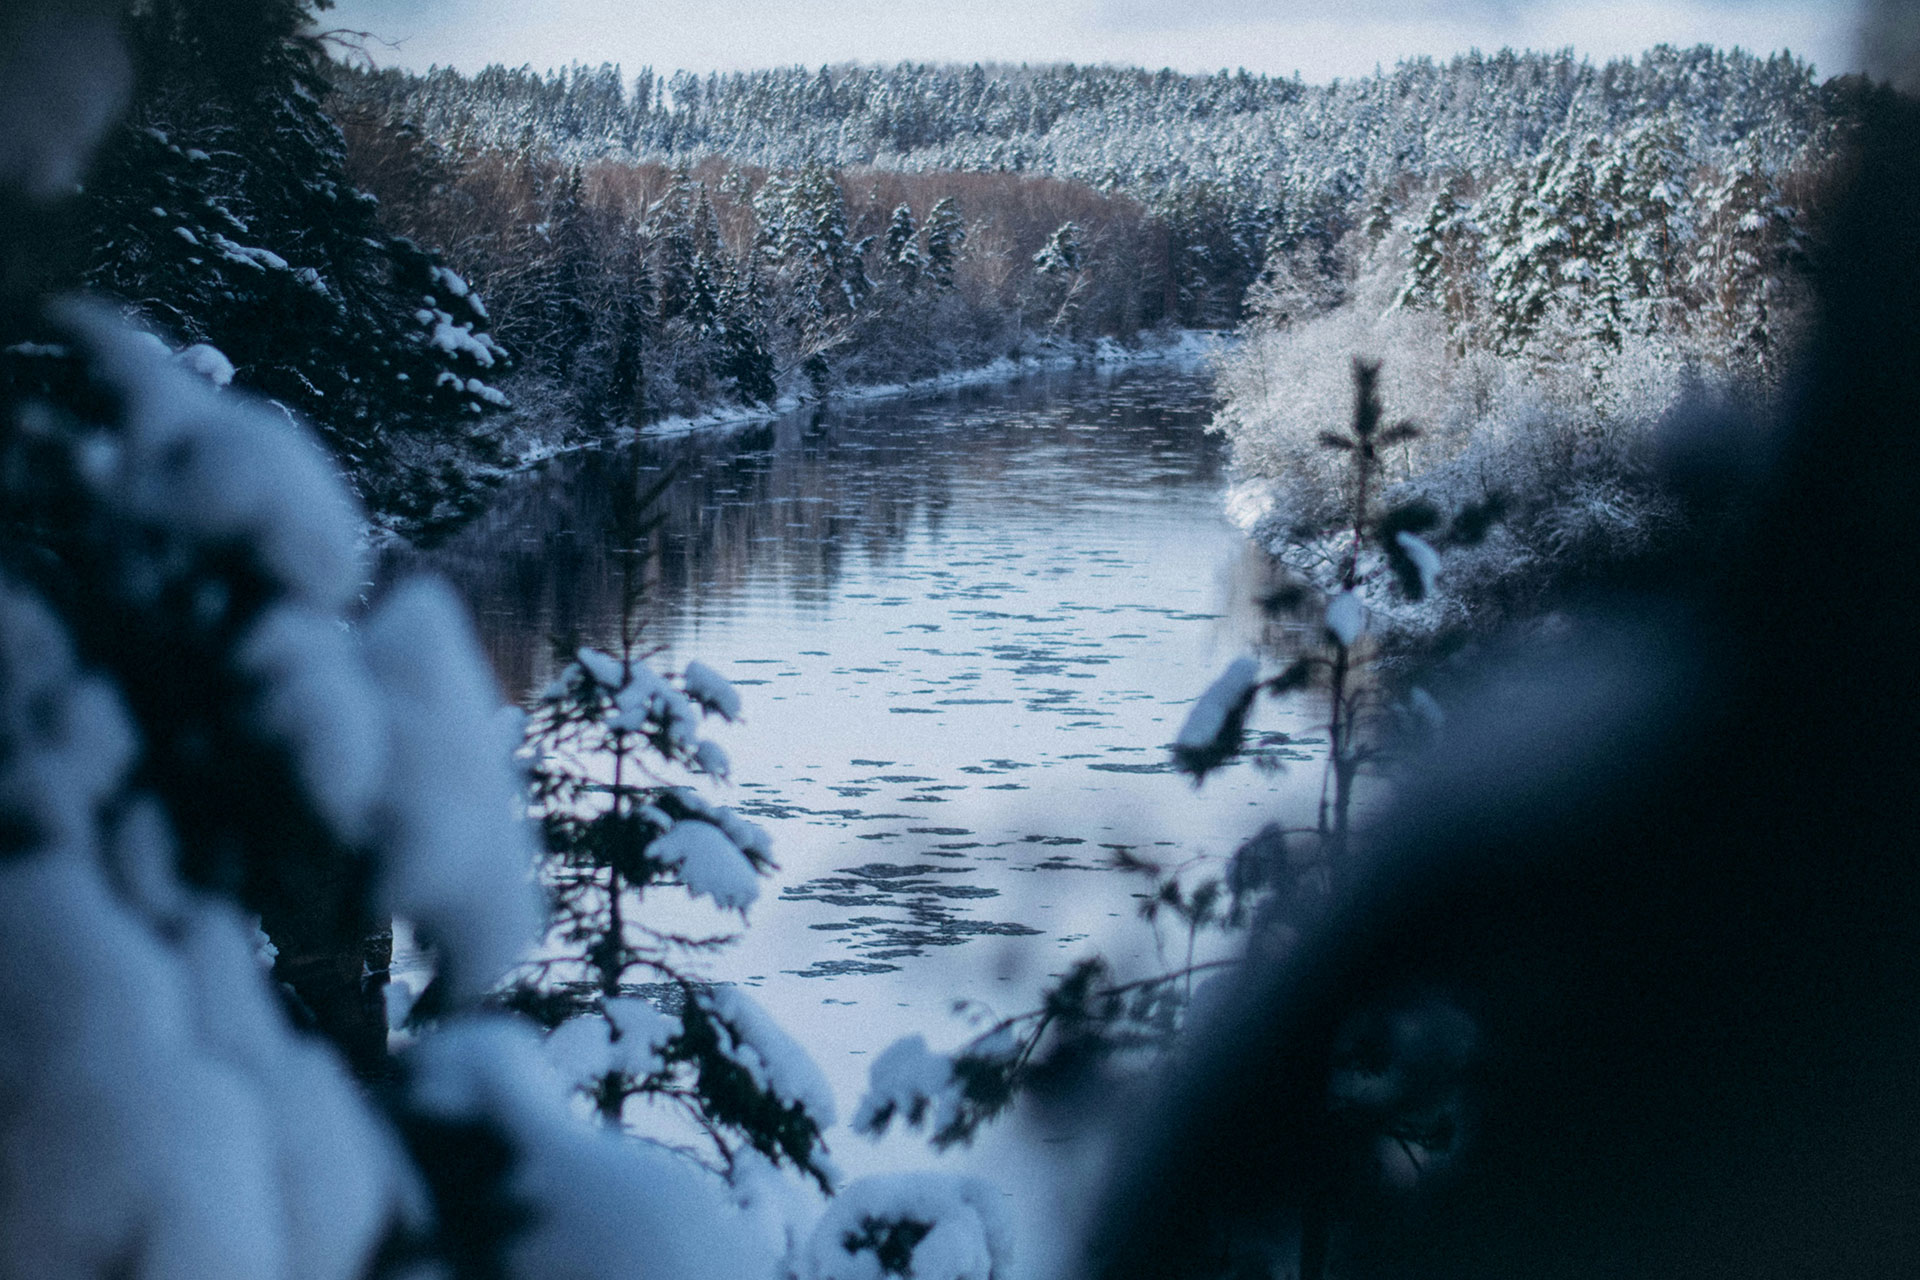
{"points": [[1443, 264], [1747, 234], [606, 739], [1061, 265], [1656, 221], [804, 241], [742, 355]]}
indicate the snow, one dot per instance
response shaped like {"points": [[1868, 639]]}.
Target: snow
{"points": [[204, 466], [315, 694], [643, 697], [774, 1059], [969, 1238], [158, 1105], [208, 361], [68, 741], [1346, 616], [710, 758], [460, 339], [1426, 561], [492, 395], [709, 864], [604, 1206], [749, 837], [460, 852], [583, 1049], [608, 672], [1224, 698], [912, 1082], [246, 255], [450, 281], [711, 690]]}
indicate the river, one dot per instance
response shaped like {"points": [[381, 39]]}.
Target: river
{"points": [[964, 628]]}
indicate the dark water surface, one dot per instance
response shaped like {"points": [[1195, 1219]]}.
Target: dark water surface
{"points": [[964, 630]]}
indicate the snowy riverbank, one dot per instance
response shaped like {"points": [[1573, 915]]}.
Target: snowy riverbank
{"points": [[1184, 345], [540, 427]]}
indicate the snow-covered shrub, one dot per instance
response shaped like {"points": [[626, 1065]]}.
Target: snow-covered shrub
{"points": [[1561, 438], [923, 1226]]}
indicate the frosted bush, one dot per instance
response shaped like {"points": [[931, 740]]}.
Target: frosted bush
{"points": [[162, 1116], [1561, 433], [926, 1226]]}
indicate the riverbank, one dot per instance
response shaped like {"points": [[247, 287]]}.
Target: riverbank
{"points": [[540, 428], [1045, 356]]}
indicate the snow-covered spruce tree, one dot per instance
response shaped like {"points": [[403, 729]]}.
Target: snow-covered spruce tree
{"points": [[1443, 265], [821, 272], [220, 777], [608, 738], [1748, 241], [904, 261], [605, 738], [1060, 266], [946, 234], [1655, 221]]}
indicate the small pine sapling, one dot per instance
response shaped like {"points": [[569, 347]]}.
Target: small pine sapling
{"points": [[607, 738]]}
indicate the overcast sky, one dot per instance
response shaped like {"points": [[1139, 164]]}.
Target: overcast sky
{"points": [[1320, 39]]}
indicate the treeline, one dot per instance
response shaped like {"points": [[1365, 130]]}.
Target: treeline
{"points": [[1601, 239], [1110, 125], [631, 289], [1236, 166]]}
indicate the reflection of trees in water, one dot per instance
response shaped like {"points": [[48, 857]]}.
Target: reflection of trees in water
{"points": [[796, 501]]}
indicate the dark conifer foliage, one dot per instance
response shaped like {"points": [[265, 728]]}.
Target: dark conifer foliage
{"points": [[220, 212]]}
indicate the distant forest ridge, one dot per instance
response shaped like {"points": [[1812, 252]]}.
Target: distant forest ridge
{"points": [[1119, 128]]}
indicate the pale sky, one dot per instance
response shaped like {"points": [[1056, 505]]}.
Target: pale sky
{"points": [[1320, 39]]}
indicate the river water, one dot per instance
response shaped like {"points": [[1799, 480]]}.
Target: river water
{"points": [[964, 629]]}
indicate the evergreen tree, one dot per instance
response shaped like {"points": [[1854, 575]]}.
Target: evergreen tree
{"points": [[1655, 220], [946, 237], [1747, 234], [804, 239], [743, 357], [1061, 266], [902, 249], [221, 212], [1444, 264], [615, 842]]}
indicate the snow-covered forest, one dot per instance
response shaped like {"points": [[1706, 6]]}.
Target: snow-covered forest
{"points": [[859, 225], [668, 247], [258, 301]]}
